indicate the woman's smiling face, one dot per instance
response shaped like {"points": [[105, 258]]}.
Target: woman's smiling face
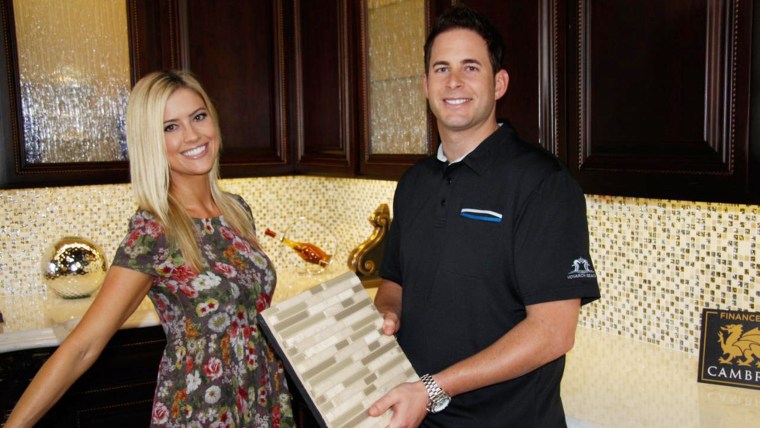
{"points": [[190, 134]]}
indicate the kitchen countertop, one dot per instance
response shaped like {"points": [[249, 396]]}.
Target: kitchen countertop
{"points": [[610, 381], [44, 322], [39, 321], [616, 382]]}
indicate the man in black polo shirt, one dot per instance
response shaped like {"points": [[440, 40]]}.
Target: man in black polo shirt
{"points": [[487, 261]]}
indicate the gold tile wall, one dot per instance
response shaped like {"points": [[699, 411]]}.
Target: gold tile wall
{"points": [[32, 219], [659, 262]]}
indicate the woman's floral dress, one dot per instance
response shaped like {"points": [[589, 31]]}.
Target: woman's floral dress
{"points": [[217, 369]]}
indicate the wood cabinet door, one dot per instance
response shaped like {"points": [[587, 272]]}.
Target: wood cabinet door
{"points": [[18, 134], [395, 123], [323, 87], [656, 96], [236, 49], [116, 391]]}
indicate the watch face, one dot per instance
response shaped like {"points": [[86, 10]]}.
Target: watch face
{"points": [[440, 404]]}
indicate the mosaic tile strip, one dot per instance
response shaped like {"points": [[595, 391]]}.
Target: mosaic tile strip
{"points": [[331, 340]]}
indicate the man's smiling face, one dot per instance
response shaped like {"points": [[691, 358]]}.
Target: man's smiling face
{"points": [[460, 84]]}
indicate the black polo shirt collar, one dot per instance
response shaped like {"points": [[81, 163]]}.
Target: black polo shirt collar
{"points": [[482, 156]]}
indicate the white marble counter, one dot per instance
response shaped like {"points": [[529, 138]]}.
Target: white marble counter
{"points": [[609, 382], [616, 382], [291, 282], [38, 321]]}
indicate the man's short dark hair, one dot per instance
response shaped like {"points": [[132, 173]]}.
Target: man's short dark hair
{"points": [[461, 16]]}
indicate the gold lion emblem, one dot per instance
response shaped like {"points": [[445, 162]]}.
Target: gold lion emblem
{"points": [[739, 345]]}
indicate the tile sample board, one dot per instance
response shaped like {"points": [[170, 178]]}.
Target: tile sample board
{"points": [[330, 340]]}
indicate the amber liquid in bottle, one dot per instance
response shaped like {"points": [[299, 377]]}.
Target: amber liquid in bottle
{"points": [[307, 251]]}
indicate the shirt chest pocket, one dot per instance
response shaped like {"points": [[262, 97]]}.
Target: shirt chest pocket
{"points": [[475, 244]]}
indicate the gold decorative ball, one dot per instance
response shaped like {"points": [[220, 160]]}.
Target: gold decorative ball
{"points": [[74, 267]]}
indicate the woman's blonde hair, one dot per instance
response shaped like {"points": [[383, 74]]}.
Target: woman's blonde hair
{"points": [[149, 166]]}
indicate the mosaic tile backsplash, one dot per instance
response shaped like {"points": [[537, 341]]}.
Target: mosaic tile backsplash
{"points": [[659, 262]]}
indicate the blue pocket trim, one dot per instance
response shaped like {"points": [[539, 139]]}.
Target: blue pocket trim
{"points": [[482, 215]]}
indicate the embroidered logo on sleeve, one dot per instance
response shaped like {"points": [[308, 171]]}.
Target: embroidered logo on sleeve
{"points": [[581, 269], [482, 215]]}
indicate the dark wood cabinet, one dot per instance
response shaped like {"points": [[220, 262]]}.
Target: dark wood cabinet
{"points": [[237, 50], [116, 391], [646, 99], [387, 164], [15, 170], [649, 98], [657, 98], [325, 111], [283, 75], [289, 84]]}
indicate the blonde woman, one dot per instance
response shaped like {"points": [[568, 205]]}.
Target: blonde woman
{"points": [[192, 249]]}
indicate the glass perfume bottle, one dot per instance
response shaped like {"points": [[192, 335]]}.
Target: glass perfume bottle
{"points": [[306, 250]]}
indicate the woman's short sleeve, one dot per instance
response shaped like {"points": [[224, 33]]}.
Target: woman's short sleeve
{"points": [[145, 248]]}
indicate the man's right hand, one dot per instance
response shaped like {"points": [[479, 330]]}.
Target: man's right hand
{"points": [[388, 302], [391, 323]]}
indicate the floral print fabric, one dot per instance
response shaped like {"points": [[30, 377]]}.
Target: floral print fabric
{"points": [[217, 369]]}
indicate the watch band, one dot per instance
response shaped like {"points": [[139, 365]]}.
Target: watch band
{"points": [[438, 399]]}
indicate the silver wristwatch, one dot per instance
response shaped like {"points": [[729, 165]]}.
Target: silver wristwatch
{"points": [[438, 399]]}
